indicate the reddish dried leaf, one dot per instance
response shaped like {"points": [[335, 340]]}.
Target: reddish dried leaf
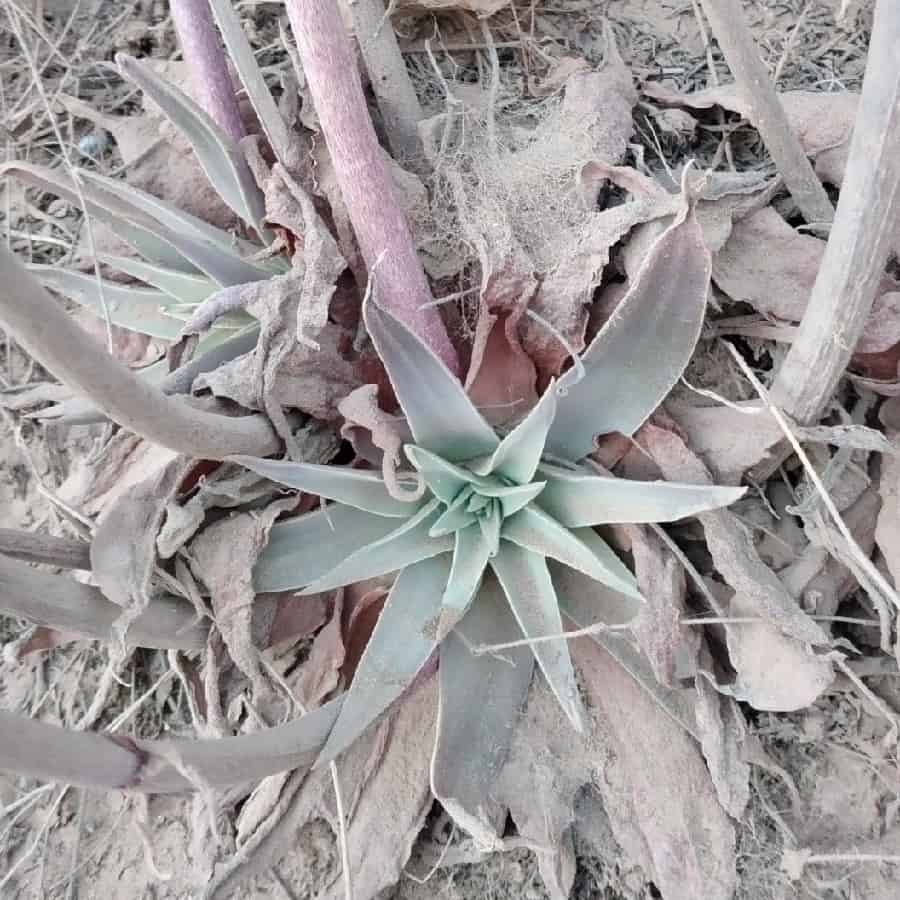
{"points": [[501, 380]]}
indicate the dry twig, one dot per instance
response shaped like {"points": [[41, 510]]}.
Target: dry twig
{"points": [[727, 20], [860, 239]]}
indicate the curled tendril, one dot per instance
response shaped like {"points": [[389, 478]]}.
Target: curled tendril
{"points": [[389, 465]]}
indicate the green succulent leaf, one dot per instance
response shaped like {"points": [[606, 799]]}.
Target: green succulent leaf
{"points": [[304, 549], [139, 309], [180, 285], [205, 248], [440, 414], [444, 479], [470, 558], [520, 451], [473, 739], [403, 546], [529, 590], [352, 487], [456, 517], [513, 497], [138, 229], [584, 550], [241, 54], [641, 352], [401, 643], [219, 156], [578, 498]]}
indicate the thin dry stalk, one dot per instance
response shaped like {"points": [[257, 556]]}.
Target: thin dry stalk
{"points": [[391, 84], [55, 340], [726, 17], [202, 51], [66, 553], [864, 228], [362, 172], [877, 583]]}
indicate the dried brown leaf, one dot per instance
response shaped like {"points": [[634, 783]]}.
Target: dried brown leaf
{"points": [[295, 616], [321, 673], [776, 668], [123, 551], [822, 121], [722, 733], [774, 671], [223, 557], [501, 380], [657, 628], [311, 380], [718, 435], [665, 815], [374, 434]]}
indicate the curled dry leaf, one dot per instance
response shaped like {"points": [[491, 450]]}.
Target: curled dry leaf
{"points": [[123, 551], [223, 557], [377, 437], [823, 122], [96, 483], [773, 267], [718, 435], [311, 380], [781, 641]]}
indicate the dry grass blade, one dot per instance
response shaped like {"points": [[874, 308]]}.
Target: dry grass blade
{"points": [[861, 236], [739, 48], [55, 340]]}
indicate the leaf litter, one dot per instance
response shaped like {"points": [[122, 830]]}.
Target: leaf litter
{"points": [[514, 208]]}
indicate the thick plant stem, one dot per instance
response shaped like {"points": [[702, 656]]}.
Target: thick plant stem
{"points": [[81, 611], [362, 172], [391, 84], [115, 762], [861, 237], [202, 51], [66, 553], [54, 339], [726, 17]]}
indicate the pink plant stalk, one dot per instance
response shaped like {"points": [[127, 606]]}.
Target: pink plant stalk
{"points": [[202, 51], [362, 172]]}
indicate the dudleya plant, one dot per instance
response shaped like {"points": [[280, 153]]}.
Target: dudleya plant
{"points": [[480, 544]]}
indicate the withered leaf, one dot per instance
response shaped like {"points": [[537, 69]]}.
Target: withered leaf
{"points": [[223, 557], [123, 551]]}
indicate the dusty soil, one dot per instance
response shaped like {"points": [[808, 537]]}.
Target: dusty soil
{"points": [[835, 787]]}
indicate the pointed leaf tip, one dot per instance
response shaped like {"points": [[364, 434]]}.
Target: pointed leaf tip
{"points": [[641, 352], [441, 416]]}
